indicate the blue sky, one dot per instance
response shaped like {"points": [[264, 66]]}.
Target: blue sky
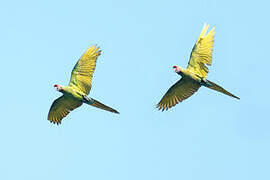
{"points": [[209, 136]]}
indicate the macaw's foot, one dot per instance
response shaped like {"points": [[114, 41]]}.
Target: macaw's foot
{"points": [[87, 100], [205, 82]]}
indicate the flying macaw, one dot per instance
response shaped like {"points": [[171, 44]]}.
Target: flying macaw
{"points": [[75, 94], [194, 76]]}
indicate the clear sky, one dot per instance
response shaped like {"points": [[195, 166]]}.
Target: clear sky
{"points": [[209, 136]]}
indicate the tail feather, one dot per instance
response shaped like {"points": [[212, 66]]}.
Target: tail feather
{"points": [[216, 87], [98, 104]]}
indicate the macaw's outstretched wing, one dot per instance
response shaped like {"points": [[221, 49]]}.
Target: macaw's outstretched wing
{"points": [[180, 91], [201, 54], [61, 108], [82, 72]]}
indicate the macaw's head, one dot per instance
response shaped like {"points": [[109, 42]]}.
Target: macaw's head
{"points": [[58, 87], [177, 69]]}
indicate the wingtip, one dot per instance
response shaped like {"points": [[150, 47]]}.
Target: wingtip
{"points": [[55, 122], [158, 107], [162, 108], [94, 46], [206, 26]]}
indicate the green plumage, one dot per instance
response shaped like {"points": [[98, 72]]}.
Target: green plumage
{"points": [[194, 76], [75, 94]]}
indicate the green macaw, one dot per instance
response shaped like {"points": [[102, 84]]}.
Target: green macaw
{"points": [[194, 76], [75, 94]]}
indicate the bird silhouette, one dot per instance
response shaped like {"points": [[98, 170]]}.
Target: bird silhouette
{"points": [[194, 76], [75, 94]]}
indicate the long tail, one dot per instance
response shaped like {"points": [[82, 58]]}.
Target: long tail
{"points": [[98, 104], [216, 87]]}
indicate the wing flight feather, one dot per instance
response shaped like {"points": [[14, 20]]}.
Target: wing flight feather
{"points": [[82, 73], [201, 54], [180, 91], [61, 107]]}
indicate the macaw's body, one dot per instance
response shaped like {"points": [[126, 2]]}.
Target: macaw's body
{"points": [[75, 94], [194, 76]]}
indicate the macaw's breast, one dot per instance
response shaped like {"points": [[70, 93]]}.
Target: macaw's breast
{"points": [[69, 91], [191, 75]]}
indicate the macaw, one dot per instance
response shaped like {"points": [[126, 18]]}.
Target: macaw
{"points": [[75, 94], [194, 76]]}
